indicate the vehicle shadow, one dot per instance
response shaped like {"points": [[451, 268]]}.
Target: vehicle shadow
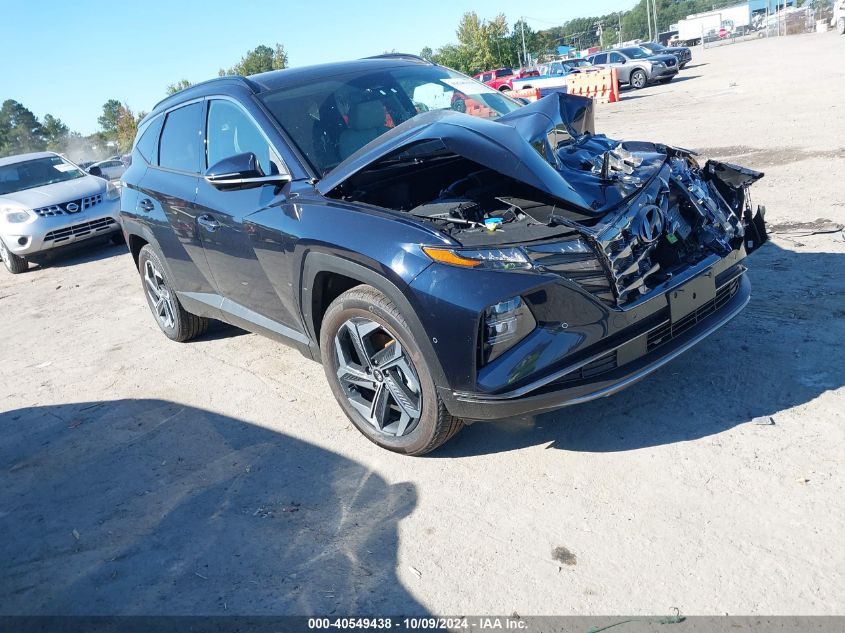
{"points": [[85, 252], [151, 507], [777, 354]]}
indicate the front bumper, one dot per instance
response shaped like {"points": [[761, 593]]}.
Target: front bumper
{"points": [[663, 73], [554, 393], [46, 233]]}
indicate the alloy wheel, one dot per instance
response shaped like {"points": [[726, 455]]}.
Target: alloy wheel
{"points": [[159, 295], [377, 377], [639, 79]]}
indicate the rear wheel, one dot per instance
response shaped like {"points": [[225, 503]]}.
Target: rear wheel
{"points": [[638, 79], [15, 264], [840, 26], [177, 323], [378, 374]]}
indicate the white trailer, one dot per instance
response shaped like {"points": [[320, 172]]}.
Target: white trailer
{"points": [[698, 25]]}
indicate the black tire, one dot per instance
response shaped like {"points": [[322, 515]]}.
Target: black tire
{"points": [[682, 66], [840, 26], [15, 264], [504, 88], [177, 323], [638, 79], [434, 425]]}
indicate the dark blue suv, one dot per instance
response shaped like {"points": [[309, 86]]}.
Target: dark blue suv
{"points": [[447, 253]]}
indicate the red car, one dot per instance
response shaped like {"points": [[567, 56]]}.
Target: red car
{"points": [[502, 78]]}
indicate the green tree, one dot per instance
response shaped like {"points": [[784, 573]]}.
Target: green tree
{"points": [[427, 53], [108, 120], [20, 130], [259, 60], [450, 56], [172, 89], [127, 127], [55, 133]]}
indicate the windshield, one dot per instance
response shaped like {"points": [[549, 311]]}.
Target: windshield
{"points": [[650, 46], [330, 120], [635, 53], [36, 173]]}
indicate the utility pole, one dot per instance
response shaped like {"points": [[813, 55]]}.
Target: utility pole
{"points": [[648, 17], [620, 28], [524, 51], [654, 8]]}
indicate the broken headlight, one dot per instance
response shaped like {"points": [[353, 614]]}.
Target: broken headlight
{"points": [[489, 258], [503, 325]]}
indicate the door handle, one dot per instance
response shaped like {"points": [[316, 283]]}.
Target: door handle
{"points": [[146, 205], [208, 223]]}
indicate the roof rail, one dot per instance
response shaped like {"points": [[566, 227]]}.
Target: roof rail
{"points": [[231, 79], [400, 56]]}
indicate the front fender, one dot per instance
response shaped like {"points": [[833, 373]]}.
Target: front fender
{"points": [[394, 288]]}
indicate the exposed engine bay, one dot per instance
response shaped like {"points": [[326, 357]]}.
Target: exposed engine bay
{"points": [[627, 215]]}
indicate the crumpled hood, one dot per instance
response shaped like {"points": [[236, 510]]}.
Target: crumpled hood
{"points": [[548, 144], [57, 193]]}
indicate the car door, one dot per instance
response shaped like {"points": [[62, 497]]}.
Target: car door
{"points": [[165, 201], [230, 238], [619, 62]]}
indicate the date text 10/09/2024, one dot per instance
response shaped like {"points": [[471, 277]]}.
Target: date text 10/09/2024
{"points": [[423, 623]]}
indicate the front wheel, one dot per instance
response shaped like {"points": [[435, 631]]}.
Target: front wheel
{"points": [[504, 88], [15, 264], [840, 26], [177, 323], [638, 79], [378, 374]]}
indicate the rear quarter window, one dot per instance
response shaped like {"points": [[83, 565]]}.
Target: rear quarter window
{"points": [[181, 139], [147, 144]]}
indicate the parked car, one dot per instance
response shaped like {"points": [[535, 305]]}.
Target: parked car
{"points": [[503, 78], [443, 267], [47, 202], [636, 67], [552, 75], [683, 54], [111, 169]]}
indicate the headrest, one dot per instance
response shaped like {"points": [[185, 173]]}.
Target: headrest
{"points": [[366, 115]]}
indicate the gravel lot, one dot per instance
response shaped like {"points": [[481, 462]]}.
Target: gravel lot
{"points": [[141, 476]]}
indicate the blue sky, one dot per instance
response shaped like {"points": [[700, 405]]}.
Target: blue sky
{"points": [[68, 58]]}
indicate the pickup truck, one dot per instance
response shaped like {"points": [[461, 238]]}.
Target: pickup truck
{"points": [[502, 78]]}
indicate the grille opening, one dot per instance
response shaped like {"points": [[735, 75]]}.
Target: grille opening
{"points": [[83, 229]]}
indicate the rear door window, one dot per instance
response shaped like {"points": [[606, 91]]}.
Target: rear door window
{"points": [[616, 58], [181, 140]]}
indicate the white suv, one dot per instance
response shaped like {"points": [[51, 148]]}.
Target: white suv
{"points": [[46, 202]]}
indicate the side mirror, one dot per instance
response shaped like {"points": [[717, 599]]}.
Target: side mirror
{"points": [[241, 171]]}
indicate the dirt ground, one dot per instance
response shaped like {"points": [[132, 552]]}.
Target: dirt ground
{"points": [[141, 476]]}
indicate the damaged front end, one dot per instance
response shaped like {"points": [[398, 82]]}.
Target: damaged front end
{"points": [[621, 219]]}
